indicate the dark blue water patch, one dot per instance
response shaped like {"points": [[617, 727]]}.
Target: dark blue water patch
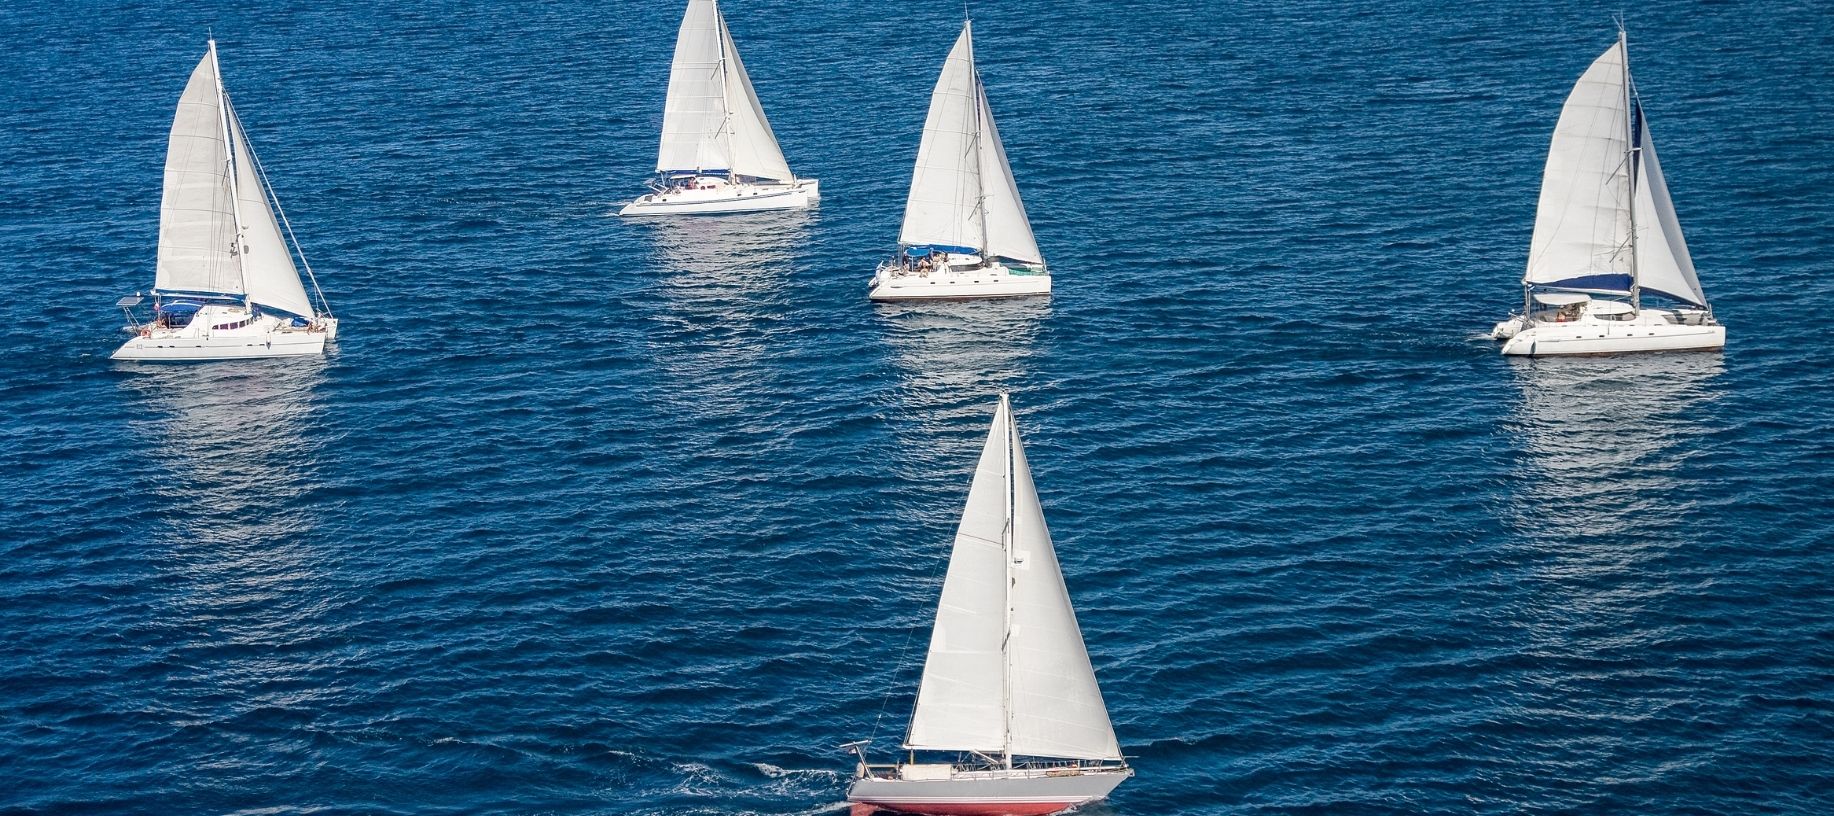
{"points": [[586, 515]]}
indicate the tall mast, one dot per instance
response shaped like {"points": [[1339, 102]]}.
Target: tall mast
{"points": [[719, 30], [229, 151], [1631, 165], [1006, 633], [980, 129]]}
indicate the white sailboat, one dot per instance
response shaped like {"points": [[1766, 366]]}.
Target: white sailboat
{"points": [[1008, 694], [718, 153], [1606, 235], [965, 233], [225, 285]]}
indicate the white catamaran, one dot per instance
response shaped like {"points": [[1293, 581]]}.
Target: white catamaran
{"points": [[718, 153], [225, 285], [965, 233], [1007, 693], [1606, 235]]}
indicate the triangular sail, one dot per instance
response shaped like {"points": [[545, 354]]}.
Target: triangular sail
{"points": [[1663, 264], [273, 280], [755, 152], [712, 120], [943, 207], [1582, 223], [961, 702], [962, 189], [1009, 232], [197, 223], [1056, 706], [1007, 671]]}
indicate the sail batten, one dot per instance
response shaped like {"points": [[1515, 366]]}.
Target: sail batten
{"points": [[712, 120]]}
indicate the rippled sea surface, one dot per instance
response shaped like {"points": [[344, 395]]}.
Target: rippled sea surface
{"points": [[592, 516]]}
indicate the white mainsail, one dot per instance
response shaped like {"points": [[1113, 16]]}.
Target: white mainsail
{"points": [[267, 265], [961, 702], [1007, 671], [962, 189], [202, 203], [712, 119], [197, 222], [1663, 263], [1582, 223]]}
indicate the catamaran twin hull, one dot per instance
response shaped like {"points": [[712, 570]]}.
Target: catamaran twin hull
{"points": [[1548, 339], [228, 333], [727, 198], [992, 281], [988, 793], [1603, 193]]}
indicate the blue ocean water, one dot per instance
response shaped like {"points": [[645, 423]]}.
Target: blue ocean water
{"points": [[589, 516]]}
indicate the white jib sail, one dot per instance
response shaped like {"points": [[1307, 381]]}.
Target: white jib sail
{"points": [[1663, 263], [273, 281], [1582, 223], [712, 119], [1009, 232], [755, 152], [944, 202], [960, 704], [197, 223], [1056, 706]]}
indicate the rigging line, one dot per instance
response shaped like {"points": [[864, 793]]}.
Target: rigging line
{"points": [[268, 190]]}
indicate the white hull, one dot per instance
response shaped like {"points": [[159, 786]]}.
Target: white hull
{"points": [[1016, 792], [202, 339], [1591, 333], [727, 198], [993, 280]]}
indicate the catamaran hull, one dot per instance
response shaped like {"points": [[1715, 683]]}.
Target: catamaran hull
{"points": [[951, 285], [182, 349], [262, 336], [742, 198], [1546, 340], [1028, 796]]}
